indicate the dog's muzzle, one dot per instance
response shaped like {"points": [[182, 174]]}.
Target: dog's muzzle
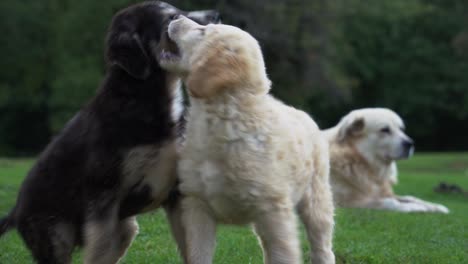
{"points": [[408, 147]]}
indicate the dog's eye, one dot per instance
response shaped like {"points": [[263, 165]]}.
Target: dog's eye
{"points": [[386, 130]]}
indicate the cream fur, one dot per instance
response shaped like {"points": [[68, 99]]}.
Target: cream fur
{"points": [[248, 158], [362, 159]]}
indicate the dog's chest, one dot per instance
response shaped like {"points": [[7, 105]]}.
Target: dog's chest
{"points": [[223, 162], [152, 166], [230, 198], [177, 104]]}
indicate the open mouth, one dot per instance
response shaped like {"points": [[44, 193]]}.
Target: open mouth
{"points": [[169, 52]]}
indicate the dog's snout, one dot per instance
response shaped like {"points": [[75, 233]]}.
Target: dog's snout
{"points": [[216, 17], [175, 16], [205, 17], [408, 143]]}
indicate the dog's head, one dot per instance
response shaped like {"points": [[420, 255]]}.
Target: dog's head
{"points": [[216, 58], [376, 132], [138, 42]]}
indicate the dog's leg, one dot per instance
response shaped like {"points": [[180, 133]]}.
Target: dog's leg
{"points": [[393, 204], [431, 207], [316, 212], [200, 231], [102, 243], [174, 216], [49, 242], [127, 230], [278, 235]]}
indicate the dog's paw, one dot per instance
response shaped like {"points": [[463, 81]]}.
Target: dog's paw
{"points": [[441, 209]]}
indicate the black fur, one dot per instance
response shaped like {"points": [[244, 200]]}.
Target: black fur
{"points": [[79, 175]]}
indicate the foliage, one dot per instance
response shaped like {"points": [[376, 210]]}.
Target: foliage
{"points": [[326, 57], [404, 55]]}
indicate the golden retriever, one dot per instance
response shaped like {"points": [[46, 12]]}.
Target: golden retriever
{"points": [[248, 158], [363, 149]]}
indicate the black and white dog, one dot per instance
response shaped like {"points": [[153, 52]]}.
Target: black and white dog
{"points": [[116, 157]]}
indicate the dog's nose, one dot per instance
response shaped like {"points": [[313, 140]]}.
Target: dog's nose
{"points": [[408, 143]]}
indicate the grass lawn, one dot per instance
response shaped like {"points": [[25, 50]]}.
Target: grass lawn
{"points": [[361, 236]]}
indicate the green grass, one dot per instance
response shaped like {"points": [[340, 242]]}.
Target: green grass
{"points": [[361, 236]]}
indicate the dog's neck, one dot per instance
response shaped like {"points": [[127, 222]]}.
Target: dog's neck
{"points": [[148, 109], [227, 104]]}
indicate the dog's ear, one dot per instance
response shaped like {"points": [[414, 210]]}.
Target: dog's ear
{"points": [[350, 127], [126, 50], [214, 72]]}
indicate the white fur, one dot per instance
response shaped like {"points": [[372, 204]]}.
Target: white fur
{"points": [[177, 108], [248, 158], [363, 167]]}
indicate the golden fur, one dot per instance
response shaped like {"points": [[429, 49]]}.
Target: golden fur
{"points": [[362, 162], [248, 158]]}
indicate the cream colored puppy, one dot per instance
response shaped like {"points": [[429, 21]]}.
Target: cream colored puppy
{"points": [[248, 158], [363, 149]]}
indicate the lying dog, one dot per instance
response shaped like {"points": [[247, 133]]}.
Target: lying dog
{"points": [[125, 140], [248, 158], [363, 149]]}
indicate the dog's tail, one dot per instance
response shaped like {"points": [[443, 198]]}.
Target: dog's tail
{"points": [[6, 223]]}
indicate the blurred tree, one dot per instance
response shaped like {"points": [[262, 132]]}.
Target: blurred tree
{"points": [[324, 56], [78, 47], [400, 54], [24, 68]]}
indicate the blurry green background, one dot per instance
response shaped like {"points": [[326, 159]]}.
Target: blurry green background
{"points": [[324, 56]]}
